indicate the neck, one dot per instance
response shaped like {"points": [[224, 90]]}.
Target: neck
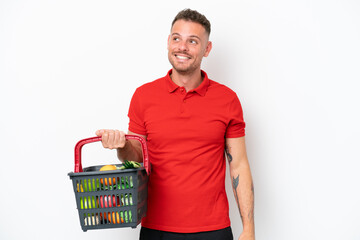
{"points": [[189, 81]]}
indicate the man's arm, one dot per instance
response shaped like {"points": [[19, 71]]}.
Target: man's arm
{"points": [[126, 149], [132, 150], [242, 184]]}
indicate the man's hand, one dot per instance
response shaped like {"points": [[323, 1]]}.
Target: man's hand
{"points": [[112, 139], [126, 149]]}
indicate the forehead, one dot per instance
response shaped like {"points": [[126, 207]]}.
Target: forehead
{"points": [[188, 28]]}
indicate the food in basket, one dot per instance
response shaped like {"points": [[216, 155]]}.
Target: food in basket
{"points": [[107, 181], [130, 164], [126, 199], [88, 203], [113, 217], [79, 188], [126, 183], [108, 168], [127, 216], [88, 185], [117, 220], [93, 220], [105, 201]]}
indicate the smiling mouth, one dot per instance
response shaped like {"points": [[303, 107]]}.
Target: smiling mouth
{"points": [[182, 57]]}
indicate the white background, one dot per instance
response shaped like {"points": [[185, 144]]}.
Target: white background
{"points": [[68, 68]]}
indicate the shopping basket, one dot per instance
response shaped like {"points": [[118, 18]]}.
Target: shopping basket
{"points": [[110, 199]]}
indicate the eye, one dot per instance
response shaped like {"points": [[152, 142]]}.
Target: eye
{"points": [[193, 41], [176, 39]]}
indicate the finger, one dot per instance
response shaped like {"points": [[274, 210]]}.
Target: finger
{"points": [[105, 139], [117, 138], [99, 132], [111, 139]]}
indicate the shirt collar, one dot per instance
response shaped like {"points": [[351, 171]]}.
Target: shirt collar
{"points": [[201, 89]]}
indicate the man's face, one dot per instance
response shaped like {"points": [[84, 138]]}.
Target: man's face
{"points": [[187, 45]]}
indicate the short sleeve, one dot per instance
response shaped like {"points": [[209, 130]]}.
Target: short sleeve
{"points": [[136, 115], [236, 124]]}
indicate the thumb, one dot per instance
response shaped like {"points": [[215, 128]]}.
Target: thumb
{"points": [[99, 133]]}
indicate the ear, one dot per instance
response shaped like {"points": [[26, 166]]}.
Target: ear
{"points": [[208, 48], [168, 42]]}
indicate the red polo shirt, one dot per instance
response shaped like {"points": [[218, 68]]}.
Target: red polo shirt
{"points": [[186, 134]]}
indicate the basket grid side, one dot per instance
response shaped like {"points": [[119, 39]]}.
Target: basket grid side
{"points": [[110, 200]]}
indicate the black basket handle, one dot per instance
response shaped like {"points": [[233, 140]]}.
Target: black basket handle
{"points": [[81, 143]]}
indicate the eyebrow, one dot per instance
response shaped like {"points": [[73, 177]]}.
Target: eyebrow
{"points": [[191, 36]]}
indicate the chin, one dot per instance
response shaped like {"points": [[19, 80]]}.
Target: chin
{"points": [[182, 69]]}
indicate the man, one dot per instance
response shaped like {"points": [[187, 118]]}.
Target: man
{"points": [[189, 121]]}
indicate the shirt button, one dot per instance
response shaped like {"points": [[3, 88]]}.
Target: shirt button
{"points": [[184, 100]]}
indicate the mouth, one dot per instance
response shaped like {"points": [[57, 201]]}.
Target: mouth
{"points": [[182, 57]]}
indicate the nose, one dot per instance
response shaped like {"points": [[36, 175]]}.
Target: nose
{"points": [[183, 46]]}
